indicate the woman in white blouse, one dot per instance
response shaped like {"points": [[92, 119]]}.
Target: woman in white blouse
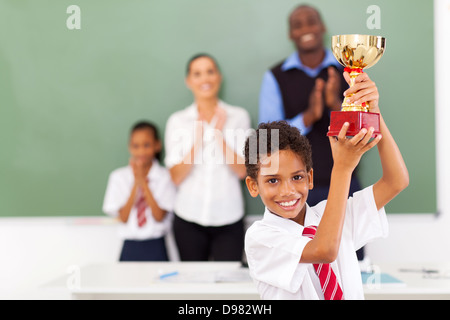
{"points": [[204, 153]]}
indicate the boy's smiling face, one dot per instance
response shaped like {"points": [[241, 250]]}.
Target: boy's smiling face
{"points": [[283, 182]]}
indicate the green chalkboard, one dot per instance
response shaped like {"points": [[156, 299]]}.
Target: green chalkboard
{"points": [[68, 97]]}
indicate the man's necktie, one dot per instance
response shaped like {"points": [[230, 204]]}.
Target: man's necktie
{"points": [[330, 287]]}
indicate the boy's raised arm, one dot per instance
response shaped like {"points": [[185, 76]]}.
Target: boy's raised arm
{"points": [[395, 176], [346, 156]]}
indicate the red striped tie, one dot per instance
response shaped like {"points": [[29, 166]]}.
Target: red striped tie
{"points": [[141, 205], [330, 286]]}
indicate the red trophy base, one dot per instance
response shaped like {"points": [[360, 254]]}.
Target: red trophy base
{"points": [[357, 121]]}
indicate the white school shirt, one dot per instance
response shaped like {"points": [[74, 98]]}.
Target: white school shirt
{"points": [[118, 191], [274, 246], [211, 194]]}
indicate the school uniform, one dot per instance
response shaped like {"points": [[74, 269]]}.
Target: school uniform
{"points": [[209, 205], [146, 242], [274, 246]]}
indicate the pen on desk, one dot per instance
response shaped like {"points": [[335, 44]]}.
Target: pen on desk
{"points": [[166, 275], [423, 270]]}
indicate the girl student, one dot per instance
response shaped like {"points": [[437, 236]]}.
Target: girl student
{"points": [[141, 196]]}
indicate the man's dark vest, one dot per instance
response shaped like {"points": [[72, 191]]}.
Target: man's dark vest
{"points": [[296, 86]]}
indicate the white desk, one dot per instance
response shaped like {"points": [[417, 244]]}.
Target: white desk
{"points": [[416, 284], [141, 280], [221, 280]]}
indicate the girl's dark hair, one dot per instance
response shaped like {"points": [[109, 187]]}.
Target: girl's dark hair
{"points": [[197, 56], [289, 138], [142, 125]]}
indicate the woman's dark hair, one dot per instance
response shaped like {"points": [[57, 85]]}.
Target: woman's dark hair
{"points": [[142, 125], [261, 143], [197, 56]]}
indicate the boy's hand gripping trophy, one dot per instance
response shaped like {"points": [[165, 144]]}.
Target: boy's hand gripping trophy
{"points": [[356, 52]]}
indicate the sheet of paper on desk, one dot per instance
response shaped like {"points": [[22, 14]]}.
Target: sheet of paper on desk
{"points": [[238, 275], [369, 278]]}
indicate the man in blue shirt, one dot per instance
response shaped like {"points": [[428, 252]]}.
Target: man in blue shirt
{"points": [[271, 102]]}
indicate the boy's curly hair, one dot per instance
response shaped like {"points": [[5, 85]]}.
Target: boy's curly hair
{"points": [[260, 144]]}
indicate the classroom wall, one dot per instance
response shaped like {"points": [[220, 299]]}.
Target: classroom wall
{"points": [[69, 97], [36, 250], [426, 238]]}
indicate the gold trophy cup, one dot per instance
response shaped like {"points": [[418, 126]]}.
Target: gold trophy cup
{"points": [[356, 52]]}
